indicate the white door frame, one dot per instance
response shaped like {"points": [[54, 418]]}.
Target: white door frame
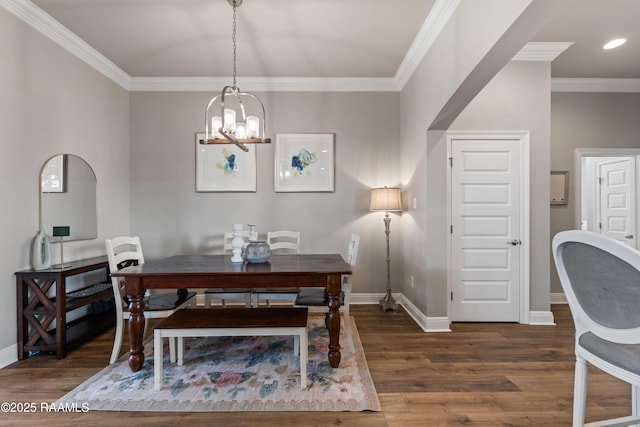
{"points": [[577, 179], [523, 139]]}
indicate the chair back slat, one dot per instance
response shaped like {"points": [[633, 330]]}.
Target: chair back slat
{"points": [[284, 241]]}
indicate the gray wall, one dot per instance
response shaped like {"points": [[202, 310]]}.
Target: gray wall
{"points": [[455, 60], [52, 103], [518, 98], [171, 218], [587, 120]]}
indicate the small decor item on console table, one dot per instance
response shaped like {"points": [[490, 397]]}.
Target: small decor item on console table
{"points": [[61, 231], [41, 255], [237, 243]]}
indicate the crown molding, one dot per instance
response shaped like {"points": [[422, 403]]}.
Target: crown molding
{"points": [[541, 51], [263, 84], [436, 20], [58, 33], [595, 85]]}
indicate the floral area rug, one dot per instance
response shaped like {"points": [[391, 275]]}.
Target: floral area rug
{"points": [[239, 374]]}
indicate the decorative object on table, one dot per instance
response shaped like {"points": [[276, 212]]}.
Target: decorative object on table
{"points": [[257, 252], [239, 374], [304, 162], [61, 232], [237, 243], [387, 200], [225, 168], [41, 251], [226, 118], [253, 233]]}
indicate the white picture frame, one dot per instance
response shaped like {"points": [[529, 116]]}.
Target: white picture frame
{"points": [[304, 162], [224, 167]]}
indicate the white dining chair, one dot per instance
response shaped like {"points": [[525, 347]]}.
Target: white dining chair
{"points": [[316, 299], [125, 251], [229, 294], [280, 242]]}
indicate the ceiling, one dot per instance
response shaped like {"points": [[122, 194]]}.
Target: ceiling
{"points": [[317, 38]]}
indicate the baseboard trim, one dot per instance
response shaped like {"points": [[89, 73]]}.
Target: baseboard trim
{"points": [[558, 298], [8, 355], [541, 318], [428, 324]]}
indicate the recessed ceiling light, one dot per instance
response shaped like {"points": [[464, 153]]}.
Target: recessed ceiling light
{"points": [[614, 43]]}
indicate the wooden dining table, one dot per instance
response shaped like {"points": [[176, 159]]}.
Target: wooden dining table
{"points": [[183, 272]]}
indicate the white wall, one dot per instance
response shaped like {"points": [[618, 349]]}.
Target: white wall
{"points": [[51, 103]]}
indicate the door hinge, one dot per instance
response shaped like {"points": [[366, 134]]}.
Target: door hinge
{"points": [[451, 295], [451, 230], [600, 225], [451, 161]]}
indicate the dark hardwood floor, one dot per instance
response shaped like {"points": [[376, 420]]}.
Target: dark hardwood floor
{"points": [[481, 374]]}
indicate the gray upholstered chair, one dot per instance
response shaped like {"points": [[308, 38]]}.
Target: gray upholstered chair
{"points": [[601, 281]]}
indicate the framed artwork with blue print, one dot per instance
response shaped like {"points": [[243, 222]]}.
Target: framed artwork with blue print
{"points": [[304, 162], [224, 167]]}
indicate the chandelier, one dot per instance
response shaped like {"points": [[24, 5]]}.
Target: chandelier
{"points": [[232, 116]]}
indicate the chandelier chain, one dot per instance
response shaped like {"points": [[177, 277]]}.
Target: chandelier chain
{"points": [[234, 45]]}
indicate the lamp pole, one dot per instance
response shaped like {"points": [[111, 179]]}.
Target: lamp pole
{"points": [[388, 303]]}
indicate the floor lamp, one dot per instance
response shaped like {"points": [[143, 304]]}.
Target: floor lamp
{"points": [[387, 200]]}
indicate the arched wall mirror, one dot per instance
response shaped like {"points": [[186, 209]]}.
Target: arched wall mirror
{"points": [[608, 191], [68, 197]]}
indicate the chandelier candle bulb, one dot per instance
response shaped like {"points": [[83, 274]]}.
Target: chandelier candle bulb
{"points": [[241, 130], [253, 126], [216, 124], [229, 120]]}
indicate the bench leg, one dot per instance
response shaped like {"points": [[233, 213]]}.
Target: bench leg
{"points": [[172, 350], [304, 356], [180, 351], [296, 345], [157, 359]]}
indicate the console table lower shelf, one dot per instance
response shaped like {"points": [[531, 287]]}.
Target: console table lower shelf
{"points": [[43, 299]]}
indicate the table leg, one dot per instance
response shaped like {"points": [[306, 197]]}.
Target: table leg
{"points": [[333, 319], [136, 326]]}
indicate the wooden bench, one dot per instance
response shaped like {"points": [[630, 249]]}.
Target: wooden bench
{"points": [[241, 321]]}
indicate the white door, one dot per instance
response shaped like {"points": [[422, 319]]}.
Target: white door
{"points": [[485, 233], [616, 199]]}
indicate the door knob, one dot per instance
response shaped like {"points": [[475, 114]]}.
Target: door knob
{"points": [[629, 236], [514, 242]]}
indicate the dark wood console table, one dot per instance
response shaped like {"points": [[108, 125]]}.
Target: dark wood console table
{"points": [[37, 310]]}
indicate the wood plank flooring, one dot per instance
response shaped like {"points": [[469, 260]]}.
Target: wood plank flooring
{"points": [[481, 374]]}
